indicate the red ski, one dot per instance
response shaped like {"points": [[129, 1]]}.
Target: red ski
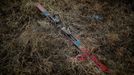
{"points": [[85, 53]]}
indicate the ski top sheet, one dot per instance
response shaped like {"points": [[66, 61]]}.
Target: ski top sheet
{"points": [[85, 53]]}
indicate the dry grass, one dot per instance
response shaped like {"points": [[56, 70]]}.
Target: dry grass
{"points": [[30, 45]]}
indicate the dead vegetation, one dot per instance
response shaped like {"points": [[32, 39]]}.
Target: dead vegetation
{"points": [[28, 48]]}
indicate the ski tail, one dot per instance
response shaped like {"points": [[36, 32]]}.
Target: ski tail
{"points": [[87, 55], [98, 63]]}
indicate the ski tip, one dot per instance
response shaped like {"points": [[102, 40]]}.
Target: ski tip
{"points": [[40, 7]]}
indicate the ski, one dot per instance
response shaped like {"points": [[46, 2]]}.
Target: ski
{"points": [[85, 53]]}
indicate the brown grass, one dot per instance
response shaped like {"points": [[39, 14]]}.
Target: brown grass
{"points": [[30, 45]]}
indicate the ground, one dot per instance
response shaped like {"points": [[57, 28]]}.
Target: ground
{"points": [[30, 45]]}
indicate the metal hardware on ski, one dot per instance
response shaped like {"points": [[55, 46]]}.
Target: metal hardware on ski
{"points": [[85, 53]]}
